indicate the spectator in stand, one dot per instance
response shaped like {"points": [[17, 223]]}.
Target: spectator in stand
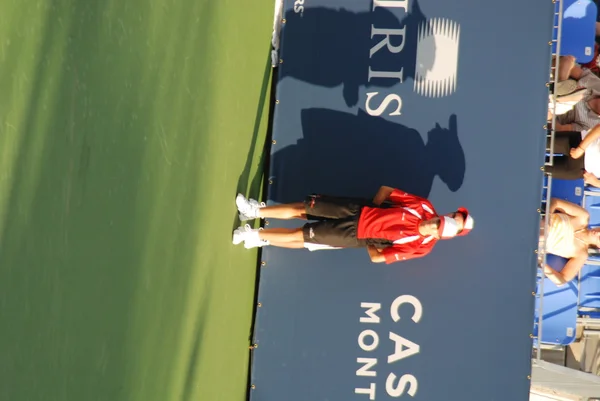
{"points": [[585, 114], [568, 237], [580, 156]]}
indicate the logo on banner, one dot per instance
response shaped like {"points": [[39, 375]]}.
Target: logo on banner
{"points": [[434, 44], [299, 7], [438, 40], [369, 340]]}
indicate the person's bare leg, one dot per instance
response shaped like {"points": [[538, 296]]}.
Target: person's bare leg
{"points": [[573, 97], [290, 245], [285, 212], [282, 235], [566, 67], [597, 28], [576, 72]]}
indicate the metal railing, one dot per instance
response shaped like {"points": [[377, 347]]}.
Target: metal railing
{"points": [[548, 187]]}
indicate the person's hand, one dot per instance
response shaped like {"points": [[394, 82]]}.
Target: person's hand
{"points": [[577, 152], [588, 178]]}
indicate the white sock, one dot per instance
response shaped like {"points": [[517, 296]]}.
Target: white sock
{"points": [[316, 247], [253, 235]]}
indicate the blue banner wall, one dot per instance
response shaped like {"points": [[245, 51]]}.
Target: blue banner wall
{"points": [[443, 99]]}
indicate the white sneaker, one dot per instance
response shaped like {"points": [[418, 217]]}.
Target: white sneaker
{"points": [[255, 242], [249, 236], [248, 208], [241, 233]]}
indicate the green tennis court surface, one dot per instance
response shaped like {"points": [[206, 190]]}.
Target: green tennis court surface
{"points": [[126, 128]]}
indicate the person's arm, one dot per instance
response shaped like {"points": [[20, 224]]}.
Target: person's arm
{"points": [[591, 179], [569, 272], [564, 127], [375, 254], [569, 208], [404, 252], [382, 195], [592, 136], [564, 121]]}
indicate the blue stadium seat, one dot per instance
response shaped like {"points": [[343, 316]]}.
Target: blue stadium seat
{"points": [[594, 257], [589, 289], [559, 307], [592, 205], [578, 29], [569, 190], [590, 314]]}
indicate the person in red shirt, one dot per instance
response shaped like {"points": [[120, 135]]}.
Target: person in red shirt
{"points": [[394, 226]]}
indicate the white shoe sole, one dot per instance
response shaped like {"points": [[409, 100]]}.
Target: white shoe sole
{"points": [[243, 205], [241, 202], [238, 237], [243, 217]]}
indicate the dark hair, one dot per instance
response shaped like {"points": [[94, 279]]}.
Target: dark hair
{"points": [[464, 215]]}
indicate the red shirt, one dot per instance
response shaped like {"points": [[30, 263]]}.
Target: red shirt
{"points": [[399, 224]]}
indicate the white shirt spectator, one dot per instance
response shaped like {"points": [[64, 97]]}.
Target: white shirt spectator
{"points": [[592, 156], [581, 117]]}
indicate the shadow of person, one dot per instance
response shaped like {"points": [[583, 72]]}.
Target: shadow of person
{"points": [[329, 47], [352, 155]]}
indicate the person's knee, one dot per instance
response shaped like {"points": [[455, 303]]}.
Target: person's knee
{"points": [[304, 232], [564, 60], [300, 208]]}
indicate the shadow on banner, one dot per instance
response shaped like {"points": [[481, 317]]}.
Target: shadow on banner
{"points": [[352, 155], [327, 48]]}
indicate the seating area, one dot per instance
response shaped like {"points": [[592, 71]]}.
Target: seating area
{"points": [[577, 30], [566, 313], [571, 313], [560, 306]]}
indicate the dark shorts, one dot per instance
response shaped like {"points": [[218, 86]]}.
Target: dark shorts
{"points": [[336, 221], [564, 167]]}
